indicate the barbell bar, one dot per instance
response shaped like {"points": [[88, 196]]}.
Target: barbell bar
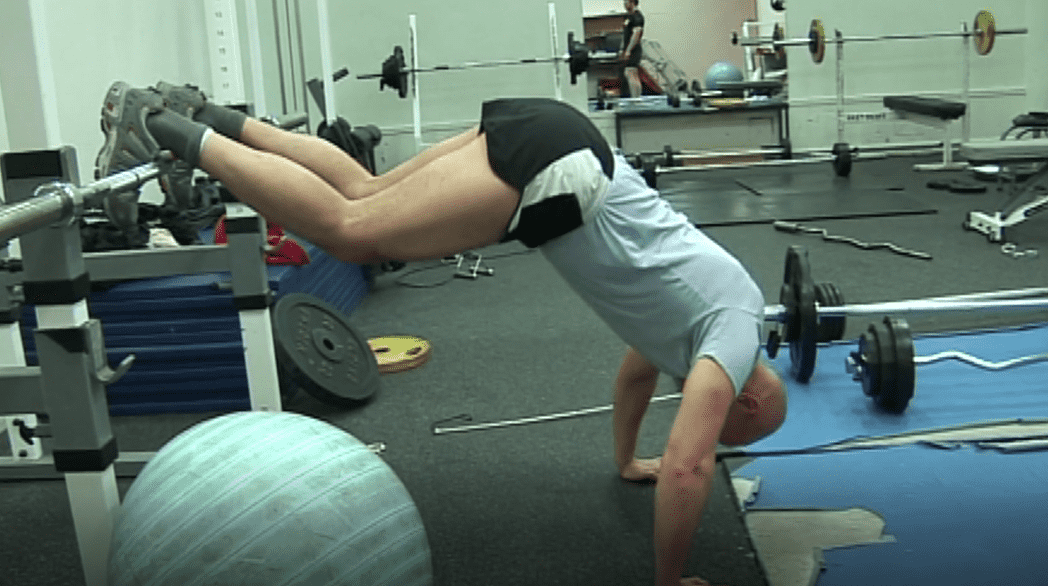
{"points": [[984, 31], [799, 312], [395, 71], [59, 201], [885, 363]]}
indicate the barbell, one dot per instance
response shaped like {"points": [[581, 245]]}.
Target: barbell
{"points": [[395, 71], [885, 363], [984, 31], [800, 313], [60, 201]]}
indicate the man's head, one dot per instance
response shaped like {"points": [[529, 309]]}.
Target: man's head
{"points": [[758, 411], [630, 5]]}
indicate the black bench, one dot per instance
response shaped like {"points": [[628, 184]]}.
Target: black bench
{"points": [[930, 112]]}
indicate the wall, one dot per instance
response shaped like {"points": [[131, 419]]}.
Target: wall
{"points": [[1036, 49], [931, 67], [59, 58]]}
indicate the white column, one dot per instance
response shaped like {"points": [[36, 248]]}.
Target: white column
{"points": [[1036, 42], [227, 70], [27, 77]]}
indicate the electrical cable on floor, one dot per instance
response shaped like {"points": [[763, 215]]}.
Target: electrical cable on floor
{"points": [[456, 262], [793, 228]]}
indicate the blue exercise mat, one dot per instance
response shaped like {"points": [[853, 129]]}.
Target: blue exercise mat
{"points": [[833, 408], [961, 516]]}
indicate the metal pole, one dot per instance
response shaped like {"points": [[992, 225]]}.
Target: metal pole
{"points": [[840, 87], [804, 41], [778, 312], [557, 93], [416, 105]]}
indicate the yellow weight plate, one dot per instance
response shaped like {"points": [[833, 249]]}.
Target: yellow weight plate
{"points": [[399, 353], [817, 41], [985, 32]]}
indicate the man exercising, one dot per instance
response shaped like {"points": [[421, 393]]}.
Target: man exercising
{"points": [[537, 171], [632, 31]]}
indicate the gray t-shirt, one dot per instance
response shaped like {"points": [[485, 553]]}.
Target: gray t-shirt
{"points": [[661, 284]]}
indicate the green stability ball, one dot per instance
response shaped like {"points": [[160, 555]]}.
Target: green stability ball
{"points": [[259, 498]]}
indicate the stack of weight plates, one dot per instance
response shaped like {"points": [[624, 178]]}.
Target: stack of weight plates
{"points": [[185, 333]]}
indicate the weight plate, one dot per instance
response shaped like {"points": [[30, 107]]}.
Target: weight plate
{"points": [[985, 32], [870, 361], [884, 393], [830, 328], [842, 159], [778, 34], [817, 41], [399, 353], [802, 321], [838, 301], [321, 352], [898, 395]]}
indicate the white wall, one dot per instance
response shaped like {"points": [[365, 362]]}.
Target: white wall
{"points": [[59, 58], [1036, 49], [931, 66]]}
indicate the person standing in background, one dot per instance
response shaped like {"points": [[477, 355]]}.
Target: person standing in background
{"points": [[632, 31]]}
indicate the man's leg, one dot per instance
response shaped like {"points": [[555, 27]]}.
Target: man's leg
{"points": [[322, 157], [335, 165], [452, 203], [633, 79]]}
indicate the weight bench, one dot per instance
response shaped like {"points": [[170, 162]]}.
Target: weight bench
{"points": [[935, 113], [1026, 199]]}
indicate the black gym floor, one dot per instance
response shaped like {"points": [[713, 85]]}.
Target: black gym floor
{"points": [[542, 503]]}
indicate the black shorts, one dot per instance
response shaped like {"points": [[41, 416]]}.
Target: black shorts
{"points": [[554, 156]]}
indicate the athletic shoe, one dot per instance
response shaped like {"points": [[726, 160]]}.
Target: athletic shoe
{"points": [[186, 100], [128, 142]]}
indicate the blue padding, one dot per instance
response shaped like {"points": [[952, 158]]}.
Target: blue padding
{"points": [[833, 408], [958, 517], [185, 333]]}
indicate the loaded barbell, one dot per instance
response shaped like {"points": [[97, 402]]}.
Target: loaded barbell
{"points": [[395, 71], [800, 313], [59, 201], [885, 363], [984, 31]]}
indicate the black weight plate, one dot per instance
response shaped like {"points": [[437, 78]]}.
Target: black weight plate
{"points": [[896, 398], [837, 300], [842, 159], [830, 328], [825, 324], [886, 346], [870, 357], [322, 352], [802, 324]]}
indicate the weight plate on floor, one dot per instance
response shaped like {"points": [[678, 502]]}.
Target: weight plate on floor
{"points": [[802, 321], [319, 350], [842, 159], [985, 32], [400, 353], [896, 396], [817, 41]]}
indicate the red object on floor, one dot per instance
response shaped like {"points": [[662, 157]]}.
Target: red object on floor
{"points": [[283, 251]]}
